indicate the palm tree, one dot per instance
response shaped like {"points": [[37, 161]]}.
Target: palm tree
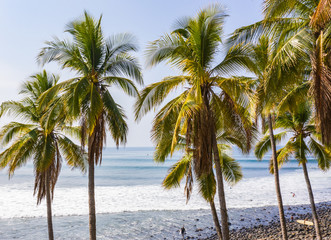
{"points": [[304, 140], [305, 26], [274, 78], [207, 184], [207, 98], [39, 138], [99, 63]]}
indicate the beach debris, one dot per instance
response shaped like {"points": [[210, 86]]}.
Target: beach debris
{"points": [[305, 222], [182, 232]]}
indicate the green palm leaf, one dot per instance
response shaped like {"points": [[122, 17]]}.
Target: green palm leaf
{"points": [[323, 155], [231, 169], [264, 145], [207, 186], [155, 93], [177, 172]]}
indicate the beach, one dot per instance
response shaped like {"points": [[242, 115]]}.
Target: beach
{"points": [[271, 229], [131, 203], [130, 120]]}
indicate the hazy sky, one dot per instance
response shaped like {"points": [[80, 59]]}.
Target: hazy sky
{"points": [[26, 25]]}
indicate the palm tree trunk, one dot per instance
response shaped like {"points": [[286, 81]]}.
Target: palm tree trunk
{"points": [[91, 197], [215, 218], [219, 174], [220, 188], [49, 209], [91, 200], [312, 202], [277, 185]]}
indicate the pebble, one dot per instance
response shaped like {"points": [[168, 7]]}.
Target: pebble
{"points": [[294, 229]]}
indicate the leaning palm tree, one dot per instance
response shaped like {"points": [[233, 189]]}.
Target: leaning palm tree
{"points": [[207, 96], [304, 140], [39, 138], [99, 63]]}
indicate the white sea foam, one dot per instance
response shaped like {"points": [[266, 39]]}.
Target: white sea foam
{"points": [[18, 201]]}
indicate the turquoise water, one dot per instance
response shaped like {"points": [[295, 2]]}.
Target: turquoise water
{"points": [[135, 166]]}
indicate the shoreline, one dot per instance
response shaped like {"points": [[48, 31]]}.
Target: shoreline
{"points": [[265, 230], [246, 223]]}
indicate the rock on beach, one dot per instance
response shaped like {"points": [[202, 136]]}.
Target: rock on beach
{"points": [[295, 230]]}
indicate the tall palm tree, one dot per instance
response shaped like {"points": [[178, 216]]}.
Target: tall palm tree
{"points": [[38, 137], [304, 140], [274, 78], [99, 63], [208, 97], [305, 25]]}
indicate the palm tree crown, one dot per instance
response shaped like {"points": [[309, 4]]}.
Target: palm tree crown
{"points": [[304, 138], [99, 63], [40, 136]]}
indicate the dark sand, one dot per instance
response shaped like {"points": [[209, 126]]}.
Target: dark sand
{"points": [[295, 230]]}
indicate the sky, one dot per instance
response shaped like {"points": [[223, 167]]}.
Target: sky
{"points": [[26, 25]]}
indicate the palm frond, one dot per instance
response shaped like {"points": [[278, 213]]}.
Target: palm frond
{"points": [[126, 65], [237, 58], [297, 95], [14, 130], [207, 186], [177, 172], [72, 153], [322, 154], [264, 145], [231, 169], [283, 155], [115, 119], [155, 93], [125, 84]]}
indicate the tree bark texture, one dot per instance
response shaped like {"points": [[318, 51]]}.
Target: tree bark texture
{"points": [[216, 221], [277, 184], [312, 202]]}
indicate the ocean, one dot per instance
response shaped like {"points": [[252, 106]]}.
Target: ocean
{"points": [[131, 203]]}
